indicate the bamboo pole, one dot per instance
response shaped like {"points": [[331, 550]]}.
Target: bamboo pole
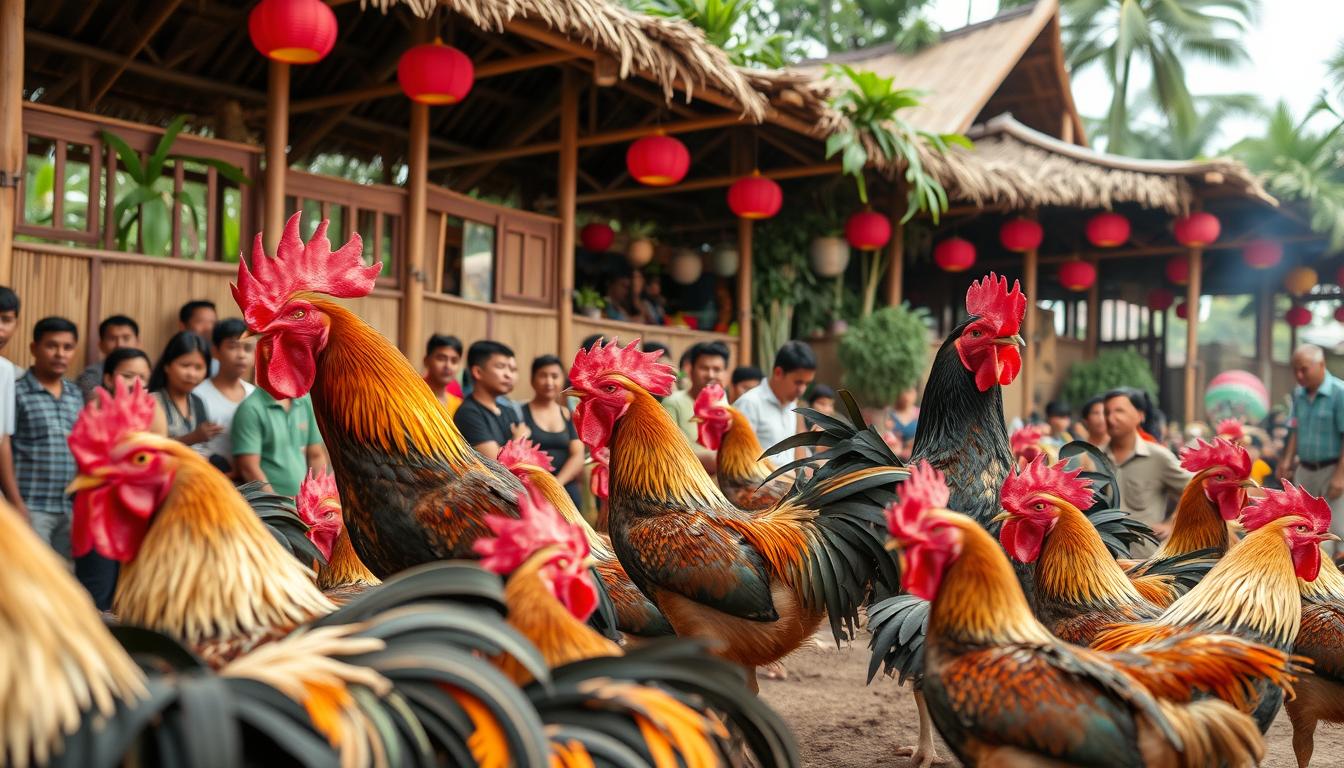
{"points": [[277, 141], [1192, 290], [1094, 315], [413, 276], [11, 127], [896, 248], [744, 329], [1029, 272], [566, 196]]}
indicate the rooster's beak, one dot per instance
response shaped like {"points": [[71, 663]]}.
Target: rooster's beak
{"points": [[1329, 537], [572, 392], [999, 518], [697, 420], [1015, 340], [83, 483], [248, 334]]}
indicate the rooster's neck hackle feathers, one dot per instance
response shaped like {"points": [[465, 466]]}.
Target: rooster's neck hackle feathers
{"points": [[1196, 524], [980, 601], [1328, 586], [344, 568], [651, 458], [535, 613], [1076, 568], [740, 453]]}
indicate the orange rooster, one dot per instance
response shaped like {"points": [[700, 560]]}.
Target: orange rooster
{"points": [[1003, 691], [743, 474], [1253, 590], [635, 614], [757, 584], [319, 506], [412, 491], [1320, 696]]}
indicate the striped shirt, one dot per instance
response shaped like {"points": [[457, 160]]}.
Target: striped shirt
{"points": [[43, 463], [1319, 420]]}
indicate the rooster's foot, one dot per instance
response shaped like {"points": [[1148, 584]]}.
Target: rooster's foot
{"points": [[775, 671], [922, 756]]}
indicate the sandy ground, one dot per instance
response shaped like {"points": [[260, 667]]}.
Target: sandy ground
{"points": [[841, 723]]}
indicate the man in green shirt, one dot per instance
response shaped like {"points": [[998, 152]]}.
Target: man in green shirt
{"points": [[708, 361], [276, 441]]}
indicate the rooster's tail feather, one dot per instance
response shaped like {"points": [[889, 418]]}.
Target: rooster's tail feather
{"points": [[898, 626], [1212, 732]]}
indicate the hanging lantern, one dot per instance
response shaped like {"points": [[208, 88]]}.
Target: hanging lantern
{"points": [[1197, 230], [726, 260], [686, 267], [868, 230], [1182, 311], [597, 237], [292, 31], [639, 252], [1297, 316], [1262, 254], [1107, 230], [1300, 280], [954, 255], [1021, 235], [1178, 270], [755, 197], [1160, 299], [1077, 275], [435, 74], [658, 160], [830, 256]]}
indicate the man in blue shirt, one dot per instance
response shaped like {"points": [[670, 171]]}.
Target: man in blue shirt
{"points": [[1317, 424]]}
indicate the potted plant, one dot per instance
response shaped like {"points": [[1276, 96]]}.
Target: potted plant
{"points": [[1111, 369], [639, 250], [829, 250], [589, 302], [781, 281], [884, 353]]}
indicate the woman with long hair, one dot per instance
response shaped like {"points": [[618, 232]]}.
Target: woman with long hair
{"points": [[552, 424], [183, 364]]}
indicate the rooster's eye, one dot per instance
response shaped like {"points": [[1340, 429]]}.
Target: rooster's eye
{"points": [[611, 388], [1301, 529], [141, 458], [1040, 506], [976, 334], [297, 314]]}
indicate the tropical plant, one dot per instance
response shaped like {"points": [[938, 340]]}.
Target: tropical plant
{"points": [[588, 297], [1109, 370], [1161, 139], [884, 354], [727, 24], [145, 206], [846, 25], [781, 281]]}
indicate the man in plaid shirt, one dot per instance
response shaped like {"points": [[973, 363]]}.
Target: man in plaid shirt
{"points": [[47, 405], [1317, 437]]}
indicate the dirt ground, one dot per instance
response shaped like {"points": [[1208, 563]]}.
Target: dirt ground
{"points": [[841, 723]]}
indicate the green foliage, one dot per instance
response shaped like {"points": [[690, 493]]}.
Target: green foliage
{"points": [[781, 280], [588, 297], [884, 353], [1112, 368], [823, 27], [1162, 140], [728, 25]]}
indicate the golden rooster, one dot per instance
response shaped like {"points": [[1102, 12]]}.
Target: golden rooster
{"points": [[1321, 639], [1253, 590], [743, 474], [342, 576], [757, 584], [635, 614], [1003, 691]]}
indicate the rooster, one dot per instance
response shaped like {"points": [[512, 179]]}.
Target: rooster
{"points": [[741, 469], [342, 576], [1253, 591], [1003, 691], [412, 491], [1028, 443], [635, 614], [756, 583], [1321, 639]]}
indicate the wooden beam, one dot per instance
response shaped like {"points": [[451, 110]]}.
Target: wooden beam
{"points": [[147, 33], [696, 185], [1094, 316], [1171, 250], [528, 126], [413, 275], [277, 141], [12, 150], [1192, 290], [1030, 273], [896, 247], [742, 160], [566, 202]]}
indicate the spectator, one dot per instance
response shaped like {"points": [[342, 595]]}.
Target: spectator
{"points": [[620, 300], [199, 317], [770, 406], [226, 390], [115, 332], [131, 365], [707, 361], [9, 374], [1059, 416], [46, 407], [180, 369], [1147, 472], [745, 377], [276, 441], [551, 424], [903, 423], [483, 422], [823, 399], [649, 292], [1312, 456], [443, 358], [1094, 421]]}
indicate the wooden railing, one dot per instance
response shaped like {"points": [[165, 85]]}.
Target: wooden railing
{"points": [[375, 211]]}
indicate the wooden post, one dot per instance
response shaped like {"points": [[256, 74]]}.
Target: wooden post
{"points": [[413, 276], [277, 163], [11, 128], [744, 329], [1094, 315], [1029, 272], [567, 195], [1192, 289], [896, 248]]}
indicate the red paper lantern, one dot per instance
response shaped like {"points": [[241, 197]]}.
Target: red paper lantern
{"points": [[1077, 275], [1262, 254], [435, 74], [1339, 314], [1297, 316], [1107, 230], [954, 255], [755, 197], [292, 31], [597, 237], [1178, 270], [1182, 311], [868, 230], [1197, 230], [1160, 299], [657, 160], [1021, 235]]}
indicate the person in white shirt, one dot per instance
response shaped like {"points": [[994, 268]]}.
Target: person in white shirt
{"points": [[770, 405], [9, 373], [226, 389]]}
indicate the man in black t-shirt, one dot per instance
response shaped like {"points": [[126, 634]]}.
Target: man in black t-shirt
{"points": [[482, 421]]}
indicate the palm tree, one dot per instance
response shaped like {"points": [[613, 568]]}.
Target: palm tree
{"points": [[727, 24], [1163, 140]]}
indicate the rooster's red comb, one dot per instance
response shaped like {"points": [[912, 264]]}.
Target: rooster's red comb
{"points": [[1026, 437], [924, 490], [108, 420], [709, 397], [1292, 500], [262, 291], [315, 489], [1231, 429], [1042, 477], [520, 451], [537, 526], [990, 299], [643, 368], [1217, 453]]}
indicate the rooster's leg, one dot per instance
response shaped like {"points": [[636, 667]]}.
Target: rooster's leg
{"points": [[924, 754], [1304, 739], [753, 684]]}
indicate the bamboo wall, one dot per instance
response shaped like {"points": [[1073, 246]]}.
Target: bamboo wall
{"points": [[48, 284], [678, 339], [529, 332]]}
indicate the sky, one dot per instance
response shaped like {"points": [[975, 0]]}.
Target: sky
{"points": [[1288, 48]]}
